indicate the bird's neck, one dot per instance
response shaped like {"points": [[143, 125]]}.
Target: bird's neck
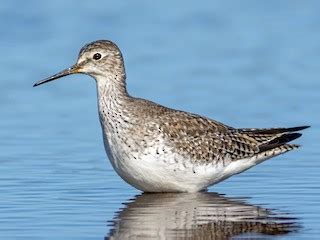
{"points": [[112, 99], [112, 86]]}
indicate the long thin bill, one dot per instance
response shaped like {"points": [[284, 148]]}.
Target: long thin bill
{"points": [[71, 70]]}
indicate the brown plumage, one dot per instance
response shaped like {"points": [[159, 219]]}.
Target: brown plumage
{"points": [[207, 140]]}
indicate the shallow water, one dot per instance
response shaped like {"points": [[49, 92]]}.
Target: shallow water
{"points": [[245, 64]]}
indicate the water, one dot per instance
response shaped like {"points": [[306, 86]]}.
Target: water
{"points": [[196, 216], [248, 64]]}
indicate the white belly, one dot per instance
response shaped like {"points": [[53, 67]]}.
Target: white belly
{"points": [[159, 169], [156, 167]]}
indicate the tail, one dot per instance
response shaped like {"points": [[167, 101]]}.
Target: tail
{"points": [[274, 141], [280, 141], [270, 142], [274, 130]]}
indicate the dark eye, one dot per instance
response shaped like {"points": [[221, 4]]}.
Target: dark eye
{"points": [[96, 56]]}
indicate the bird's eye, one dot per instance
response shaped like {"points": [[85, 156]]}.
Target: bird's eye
{"points": [[96, 56]]}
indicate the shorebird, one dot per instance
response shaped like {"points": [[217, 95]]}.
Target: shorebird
{"points": [[159, 149]]}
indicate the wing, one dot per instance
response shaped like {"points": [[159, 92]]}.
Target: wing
{"points": [[206, 140]]}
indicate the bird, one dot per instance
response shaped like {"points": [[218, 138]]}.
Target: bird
{"points": [[159, 149]]}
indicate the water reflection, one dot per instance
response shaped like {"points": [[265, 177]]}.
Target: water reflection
{"points": [[195, 216]]}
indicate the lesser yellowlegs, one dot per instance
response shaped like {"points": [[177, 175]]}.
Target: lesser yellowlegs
{"points": [[158, 149]]}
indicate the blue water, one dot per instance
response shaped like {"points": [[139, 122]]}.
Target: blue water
{"points": [[245, 63]]}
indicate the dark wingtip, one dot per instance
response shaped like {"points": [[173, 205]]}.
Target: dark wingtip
{"points": [[289, 137], [295, 129], [283, 139], [273, 130]]}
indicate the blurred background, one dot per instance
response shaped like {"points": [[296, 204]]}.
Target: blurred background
{"points": [[244, 63]]}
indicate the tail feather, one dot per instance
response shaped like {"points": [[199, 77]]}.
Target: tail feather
{"points": [[270, 131], [272, 152], [273, 136], [270, 142], [279, 141]]}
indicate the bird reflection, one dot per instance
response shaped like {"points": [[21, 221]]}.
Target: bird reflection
{"points": [[196, 216]]}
